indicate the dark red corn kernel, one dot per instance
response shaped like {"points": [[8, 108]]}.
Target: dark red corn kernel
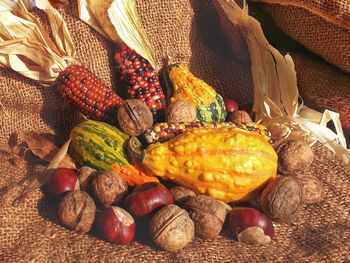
{"points": [[89, 93], [142, 82]]}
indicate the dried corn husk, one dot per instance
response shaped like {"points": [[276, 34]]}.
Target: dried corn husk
{"points": [[275, 89], [117, 20], [27, 48]]}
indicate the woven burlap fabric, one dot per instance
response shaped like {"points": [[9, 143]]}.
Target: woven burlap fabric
{"points": [[310, 28], [30, 231], [323, 86]]}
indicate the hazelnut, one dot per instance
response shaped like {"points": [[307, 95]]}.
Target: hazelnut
{"points": [[239, 117], [116, 225], [282, 198], [77, 211], [312, 188], [134, 117], [250, 226], [181, 194], [147, 197], [109, 188], [181, 111], [294, 155], [86, 175], [63, 180], [171, 228], [208, 215]]}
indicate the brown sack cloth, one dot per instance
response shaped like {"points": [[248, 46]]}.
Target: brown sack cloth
{"points": [[30, 231], [321, 26]]}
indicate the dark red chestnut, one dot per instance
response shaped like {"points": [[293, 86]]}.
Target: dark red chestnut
{"points": [[147, 197], [231, 105], [63, 180], [250, 226], [117, 225]]}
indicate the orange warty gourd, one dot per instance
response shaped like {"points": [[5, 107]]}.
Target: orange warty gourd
{"points": [[229, 164]]}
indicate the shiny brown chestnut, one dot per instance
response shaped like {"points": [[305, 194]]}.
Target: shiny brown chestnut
{"points": [[250, 226], [116, 225], [147, 197]]}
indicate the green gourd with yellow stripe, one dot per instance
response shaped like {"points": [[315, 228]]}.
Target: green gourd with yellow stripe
{"points": [[102, 146], [180, 83]]}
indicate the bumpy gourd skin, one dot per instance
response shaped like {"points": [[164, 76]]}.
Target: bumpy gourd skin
{"points": [[229, 164]]}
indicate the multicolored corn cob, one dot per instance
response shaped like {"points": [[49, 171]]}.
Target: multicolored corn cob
{"points": [[141, 80], [162, 132], [87, 91]]}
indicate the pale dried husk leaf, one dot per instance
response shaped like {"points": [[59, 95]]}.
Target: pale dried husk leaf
{"points": [[275, 90], [27, 48], [117, 20]]}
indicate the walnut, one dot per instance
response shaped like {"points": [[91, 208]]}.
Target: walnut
{"points": [[239, 117], [171, 228], [134, 117], [181, 111], [294, 156], [282, 198], [77, 211], [181, 194], [208, 215], [86, 175], [109, 188], [312, 188]]}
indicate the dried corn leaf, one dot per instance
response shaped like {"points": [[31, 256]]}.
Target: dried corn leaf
{"points": [[43, 147], [41, 179], [117, 20], [275, 89], [27, 48]]}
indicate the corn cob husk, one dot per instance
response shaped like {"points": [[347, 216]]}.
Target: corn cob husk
{"points": [[162, 132]]}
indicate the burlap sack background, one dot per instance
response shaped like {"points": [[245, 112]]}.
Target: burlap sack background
{"points": [[318, 25], [30, 231]]}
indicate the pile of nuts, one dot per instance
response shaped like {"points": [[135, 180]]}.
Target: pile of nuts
{"points": [[177, 215]]}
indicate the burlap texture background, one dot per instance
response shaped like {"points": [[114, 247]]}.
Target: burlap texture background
{"points": [[318, 25], [30, 231]]}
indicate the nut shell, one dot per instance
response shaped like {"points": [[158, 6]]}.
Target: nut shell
{"points": [[109, 188], [313, 190], [77, 211], [239, 117], [171, 228], [208, 215], [282, 198], [86, 175], [181, 111], [134, 117], [294, 155], [181, 194]]}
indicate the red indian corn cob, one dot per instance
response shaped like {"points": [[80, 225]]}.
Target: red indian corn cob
{"points": [[141, 80], [162, 132], [87, 91]]}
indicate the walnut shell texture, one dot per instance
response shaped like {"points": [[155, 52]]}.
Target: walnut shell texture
{"points": [[294, 156], [208, 214], [86, 175], [109, 188], [77, 211], [282, 198], [171, 228], [313, 190], [181, 111], [134, 117], [181, 194]]}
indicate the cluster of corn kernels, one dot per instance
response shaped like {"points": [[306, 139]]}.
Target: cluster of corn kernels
{"points": [[141, 79], [89, 93], [164, 131]]}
